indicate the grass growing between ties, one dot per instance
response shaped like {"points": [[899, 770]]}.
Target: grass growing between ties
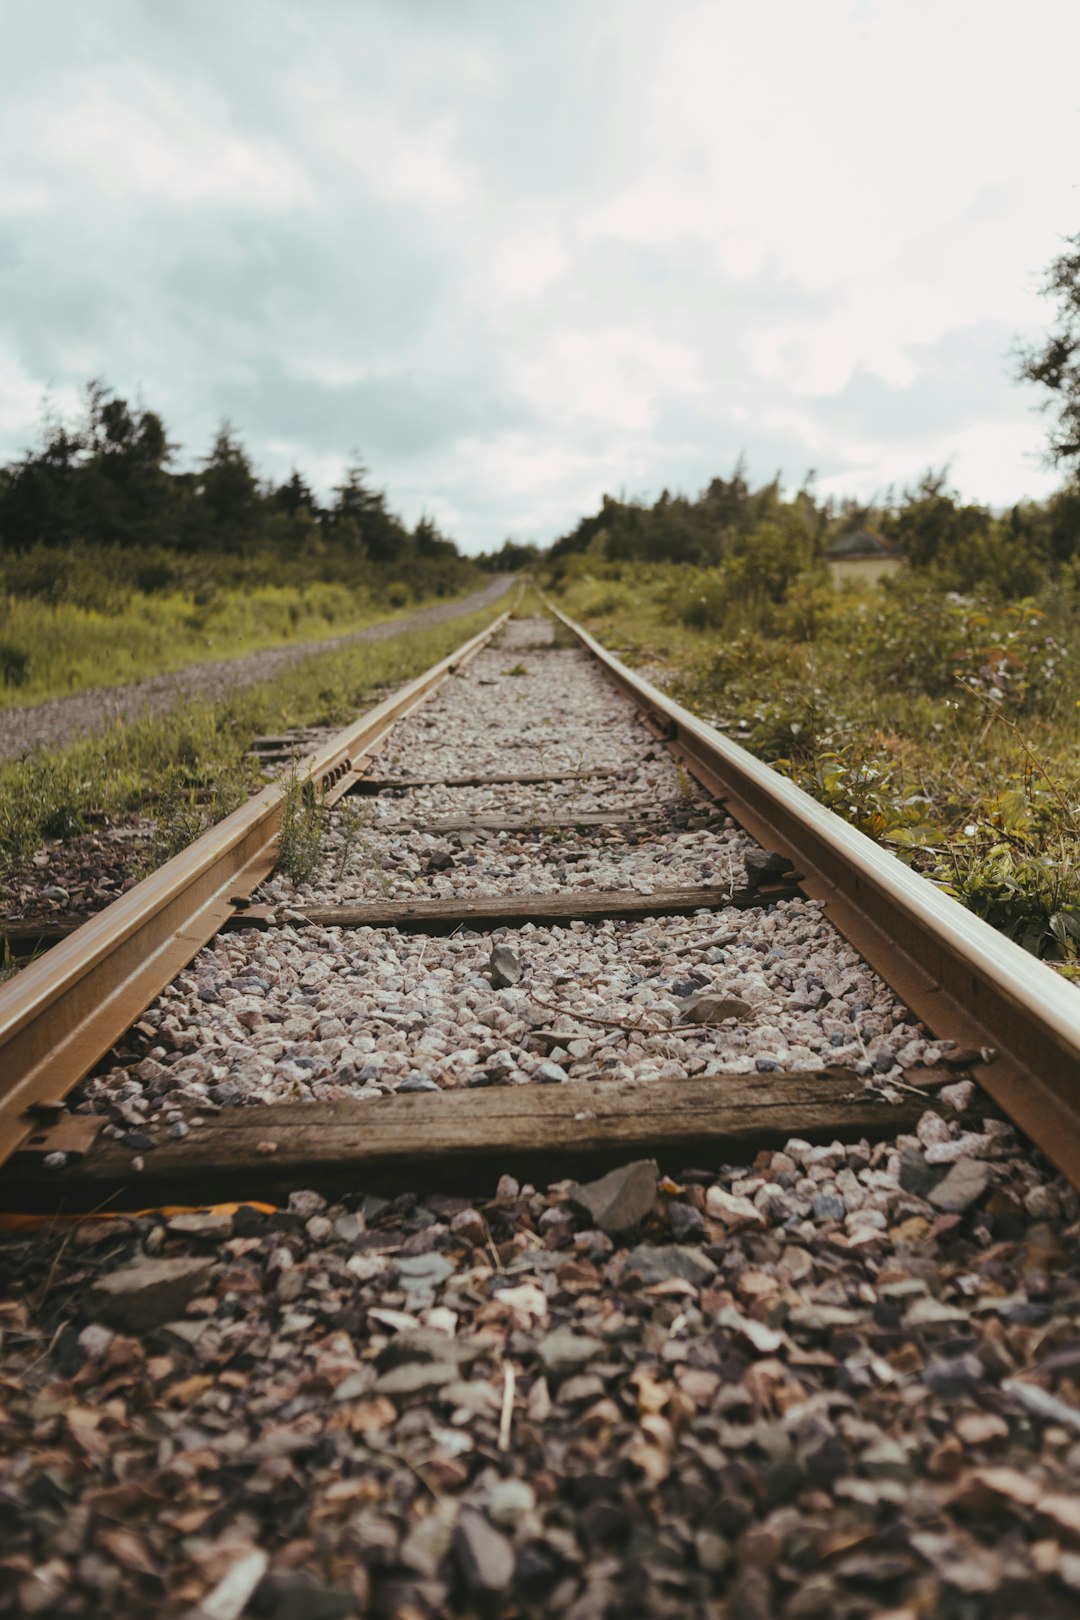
{"points": [[943, 724], [303, 820], [190, 767]]}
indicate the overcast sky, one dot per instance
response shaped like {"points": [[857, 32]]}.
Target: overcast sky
{"points": [[519, 252]]}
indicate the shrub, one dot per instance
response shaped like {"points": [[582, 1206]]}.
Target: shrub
{"points": [[14, 664]]}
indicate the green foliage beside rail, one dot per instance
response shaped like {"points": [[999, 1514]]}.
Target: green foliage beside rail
{"points": [[745, 556], [943, 724], [189, 767]]}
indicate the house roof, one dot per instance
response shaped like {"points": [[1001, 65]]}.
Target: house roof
{"points": [[863, 543]]}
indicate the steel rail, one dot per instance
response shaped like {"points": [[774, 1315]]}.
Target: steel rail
{"points": [[63, 1012], [962, 978]]}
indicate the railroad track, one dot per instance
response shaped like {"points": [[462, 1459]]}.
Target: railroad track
{"points": [[579, 1188], [659, 793]]}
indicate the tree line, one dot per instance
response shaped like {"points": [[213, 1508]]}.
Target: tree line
{"points": [[105, 489], [764, 540]]}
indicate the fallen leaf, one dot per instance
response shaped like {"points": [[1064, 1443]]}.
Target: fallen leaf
{"points": [[127, 1549]]}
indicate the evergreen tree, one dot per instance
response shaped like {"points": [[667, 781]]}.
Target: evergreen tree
{"points": [[228, 490], [295, 496]]}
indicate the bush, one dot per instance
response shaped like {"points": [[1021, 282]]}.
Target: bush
{"points": [[14, 664], [924, 642]]}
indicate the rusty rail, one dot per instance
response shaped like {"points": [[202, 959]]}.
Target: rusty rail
{"points": [[961, 977], [64, 1011]]}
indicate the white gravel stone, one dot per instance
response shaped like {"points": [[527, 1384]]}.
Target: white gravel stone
{"points": [[959, 1096], [969, 1145]]}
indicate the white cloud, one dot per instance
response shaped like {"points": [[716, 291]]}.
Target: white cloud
{"points": [[524, 264], [412, 165], [521, 256], [21, 400], [164, 152], [615, 378]]}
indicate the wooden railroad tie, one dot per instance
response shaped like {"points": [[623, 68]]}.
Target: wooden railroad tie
{"points": [[456, 1140], [388, 784], [694, 817], [446, 916]]}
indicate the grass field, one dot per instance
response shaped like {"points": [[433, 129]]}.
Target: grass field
{"points": [[51, 650]]}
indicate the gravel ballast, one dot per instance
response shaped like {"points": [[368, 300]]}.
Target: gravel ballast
{"points": [[793, 1388], [328, 1014], [838, 1382], [307, 1013]]}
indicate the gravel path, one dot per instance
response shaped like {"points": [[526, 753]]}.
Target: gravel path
{"points": [[841, 1382], [50, 725]]}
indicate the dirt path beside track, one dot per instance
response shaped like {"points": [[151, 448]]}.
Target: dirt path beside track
{"points": [[52, 724]]}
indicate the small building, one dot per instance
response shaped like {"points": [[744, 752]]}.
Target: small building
{"points": [[863, 557]]}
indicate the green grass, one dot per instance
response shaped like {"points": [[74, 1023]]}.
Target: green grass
{"points": [[944, 727], [527, 603], [50, 650], [188, 767]]}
